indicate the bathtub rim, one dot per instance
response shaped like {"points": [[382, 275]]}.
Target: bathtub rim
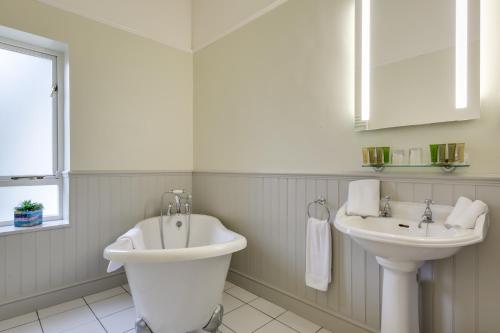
{"points": [[114, 251]]}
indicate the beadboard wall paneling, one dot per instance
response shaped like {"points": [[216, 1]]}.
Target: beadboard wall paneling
{"points": [[458, 294], [102, 206]]}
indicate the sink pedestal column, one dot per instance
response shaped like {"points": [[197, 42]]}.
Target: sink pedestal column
{"points": [[399, 296]]}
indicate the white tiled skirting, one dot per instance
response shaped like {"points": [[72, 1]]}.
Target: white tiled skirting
{"points": [[112, 311]]}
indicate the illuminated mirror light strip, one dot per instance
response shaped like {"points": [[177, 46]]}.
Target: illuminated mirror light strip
{"points": [[461, 57], [365, 59]]}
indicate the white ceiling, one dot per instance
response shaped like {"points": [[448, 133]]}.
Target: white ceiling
{"points": [[183, 24]]}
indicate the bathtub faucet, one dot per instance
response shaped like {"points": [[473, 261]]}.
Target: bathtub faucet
{"points": [[178, 197]]}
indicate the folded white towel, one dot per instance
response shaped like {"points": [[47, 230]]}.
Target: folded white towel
{"points": [[468, 217], [363, 198], [318, 254], [131, 240], [462, 204], [136, 236]]}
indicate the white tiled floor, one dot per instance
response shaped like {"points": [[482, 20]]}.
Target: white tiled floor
{"points": [[112, 311]]}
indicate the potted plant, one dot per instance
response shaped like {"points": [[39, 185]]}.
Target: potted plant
{"points": [[28, 214]]}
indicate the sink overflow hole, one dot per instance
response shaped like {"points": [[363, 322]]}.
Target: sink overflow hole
{"points": [[403, 225]]}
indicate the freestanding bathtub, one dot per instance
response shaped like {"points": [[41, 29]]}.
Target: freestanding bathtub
{"points": [[176, 289]]}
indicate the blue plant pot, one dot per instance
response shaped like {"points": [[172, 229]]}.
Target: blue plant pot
{"points": [[28, 219]]}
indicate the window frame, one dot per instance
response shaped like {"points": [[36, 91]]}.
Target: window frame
{"points": [[56, 177]]}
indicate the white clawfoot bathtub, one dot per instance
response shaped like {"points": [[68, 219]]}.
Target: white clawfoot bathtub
{"points": [[176, 290]]}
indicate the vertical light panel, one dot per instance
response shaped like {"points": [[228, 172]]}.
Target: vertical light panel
{"points": [[365, 59], [461, 58]]}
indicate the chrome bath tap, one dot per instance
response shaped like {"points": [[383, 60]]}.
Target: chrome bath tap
{"points": [[179, 195], [427, 216], [177, 199]]}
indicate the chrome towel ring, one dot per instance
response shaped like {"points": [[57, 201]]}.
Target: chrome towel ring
{"points": [[320, 201]]}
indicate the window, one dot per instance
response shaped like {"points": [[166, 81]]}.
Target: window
{"points": [[30, 129]]}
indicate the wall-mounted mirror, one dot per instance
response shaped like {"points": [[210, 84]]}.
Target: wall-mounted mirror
{"points": [[417, 62]]}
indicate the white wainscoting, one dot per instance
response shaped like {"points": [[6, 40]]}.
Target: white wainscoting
{"points": [[103, 205], [459, 294]]}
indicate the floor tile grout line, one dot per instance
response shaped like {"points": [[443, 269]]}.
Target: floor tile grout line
{"points": [[126, 290], [236, 308], [39, 321], [83, 299], [105, 298], [55, 314], [113, 313], [9, 328], [253, 299], [231, 287], [258, 328], [98, 320], [267, 314], [290, 327]]}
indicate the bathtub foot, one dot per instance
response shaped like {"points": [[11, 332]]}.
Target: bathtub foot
{"points": [[216, 320], [141, 327]]}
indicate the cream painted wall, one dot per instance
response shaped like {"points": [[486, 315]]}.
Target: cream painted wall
{"points": [[213, 19], [131, 98], [168, 22], [278, 96]]}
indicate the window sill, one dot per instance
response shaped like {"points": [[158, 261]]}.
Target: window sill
{"points": [[47, 225]]}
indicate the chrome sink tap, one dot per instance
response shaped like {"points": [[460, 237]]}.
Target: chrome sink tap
{"points": [[386, 211], [427, 216]]}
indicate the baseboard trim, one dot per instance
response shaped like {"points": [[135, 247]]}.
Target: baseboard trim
{"points": [[55, 296], [324, 317]]}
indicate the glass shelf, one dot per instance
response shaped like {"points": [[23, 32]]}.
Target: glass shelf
{"points": [[446, 167]]}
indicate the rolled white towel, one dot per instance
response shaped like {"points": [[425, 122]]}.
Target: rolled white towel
{"points": [[462, 204], [363, 198], [467, 219]]}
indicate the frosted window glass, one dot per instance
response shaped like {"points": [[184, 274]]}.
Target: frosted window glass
{"points": [[26, 113], [11, 196]]}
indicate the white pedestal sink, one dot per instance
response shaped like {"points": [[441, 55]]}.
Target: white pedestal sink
{"points": [[401, 248]]}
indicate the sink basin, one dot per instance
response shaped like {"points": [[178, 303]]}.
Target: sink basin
{"points": [[399, 238], [400, 247]]}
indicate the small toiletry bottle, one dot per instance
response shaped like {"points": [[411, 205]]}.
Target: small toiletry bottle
{"points": [[460, 153], [380, 155], [442, 153], [451, 152], [372, 155], [434, 153], [387, 155], [366, 156]]}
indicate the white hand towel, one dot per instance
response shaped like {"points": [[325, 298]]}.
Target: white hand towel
{"points": [[318, 254], [462, 204], [132, 239], [136, 236], [468, 218], [363, 198]]}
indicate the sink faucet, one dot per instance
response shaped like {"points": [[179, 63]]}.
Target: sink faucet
{"points": [[386, 211], [427, 216]]}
